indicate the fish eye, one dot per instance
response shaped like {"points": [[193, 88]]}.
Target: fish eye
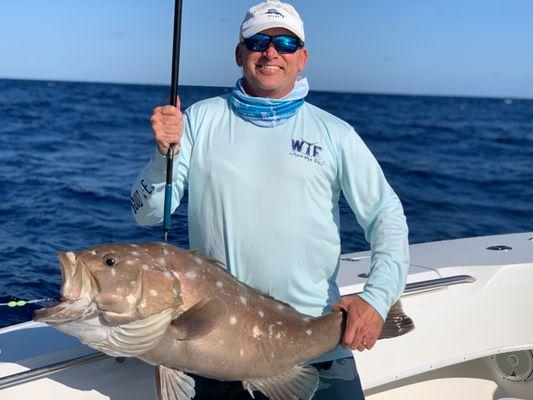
{"points": [[110, 261]]}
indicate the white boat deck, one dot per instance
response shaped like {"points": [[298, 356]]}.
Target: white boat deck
{"points": [[463, 322], [445, 258]]}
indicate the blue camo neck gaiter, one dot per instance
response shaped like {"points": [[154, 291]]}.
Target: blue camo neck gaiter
{"points": [[266, 112]]}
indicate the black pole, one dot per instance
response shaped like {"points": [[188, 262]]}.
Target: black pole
{"points": [[173, 97]]}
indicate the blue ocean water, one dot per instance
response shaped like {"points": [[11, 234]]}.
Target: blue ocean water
{"points": [[69, 153]]}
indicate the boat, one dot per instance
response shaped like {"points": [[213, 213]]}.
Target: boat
{"points": [[470, 300]]}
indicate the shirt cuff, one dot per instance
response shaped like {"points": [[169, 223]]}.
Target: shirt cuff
{"points": [[157, 167], [379, 306]]}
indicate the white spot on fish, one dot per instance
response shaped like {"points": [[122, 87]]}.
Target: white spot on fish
{"points": [[309, 332], [133, 282], [134, 245], [271, 355], [162, 260], [243, 299], [93, 252], [130, 298], [307, 319], [153, 292], [280, 306], [256, 332], [165, 252], [232, 320], [134, 253], [270, 331], [146, 267], [261, 313], [220, 284], [113, 272], [167, 274], [143, 304], [278, 335], [241, 353], [191, 275], [279, 322], [175, 292], [129, 262]]}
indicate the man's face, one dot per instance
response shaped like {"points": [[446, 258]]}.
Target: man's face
{"points": [[269, 73]]}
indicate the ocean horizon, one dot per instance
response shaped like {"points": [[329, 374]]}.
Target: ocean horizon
{"points": [[166, 86]]}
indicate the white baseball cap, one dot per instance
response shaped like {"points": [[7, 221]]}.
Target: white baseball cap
{"points": [[272, 14]]}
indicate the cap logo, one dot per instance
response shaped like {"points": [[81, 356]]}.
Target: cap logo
{"points": [[275, 12], [271, 14]]}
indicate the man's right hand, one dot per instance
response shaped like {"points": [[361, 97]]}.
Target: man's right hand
{"points": [[167, 126]]}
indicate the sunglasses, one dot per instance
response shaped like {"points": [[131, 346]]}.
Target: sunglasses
{"points": [[282, 43]]}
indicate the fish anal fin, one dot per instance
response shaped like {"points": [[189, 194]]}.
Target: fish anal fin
{"points": [[200, 319], [299, 383], [249, 388], [172, 384]]}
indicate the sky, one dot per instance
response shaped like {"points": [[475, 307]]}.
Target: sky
{"points": [[453, 47]]}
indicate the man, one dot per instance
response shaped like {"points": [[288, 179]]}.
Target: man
{"points": [[264, 171]]}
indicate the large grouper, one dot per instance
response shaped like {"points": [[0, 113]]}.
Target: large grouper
{"points": [[184, 312]]}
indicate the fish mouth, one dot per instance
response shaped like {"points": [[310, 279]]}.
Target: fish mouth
{"points": [[66, 311], [78, 290]]}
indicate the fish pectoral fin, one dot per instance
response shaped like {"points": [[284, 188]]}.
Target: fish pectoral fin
{"points": [[200, 319], [300, 382], [172, 384]]}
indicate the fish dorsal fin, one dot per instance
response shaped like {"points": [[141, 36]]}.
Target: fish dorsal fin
{"points": [[200, 319], [172, 384], [210, 260], [300, 382]]}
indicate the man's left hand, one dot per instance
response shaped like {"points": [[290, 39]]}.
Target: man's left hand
{"points": [[363, 323]]}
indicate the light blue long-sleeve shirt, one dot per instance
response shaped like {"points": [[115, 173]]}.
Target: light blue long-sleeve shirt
{"points": [[264, 201]]}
